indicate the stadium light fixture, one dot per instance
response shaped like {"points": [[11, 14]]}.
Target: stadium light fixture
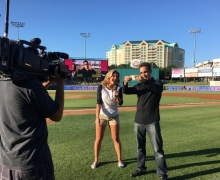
{"points": [[194, 31], [85, 35], [18, 25]]}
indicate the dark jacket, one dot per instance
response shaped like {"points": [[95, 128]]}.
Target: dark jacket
{"points": [[86, 73], [149, 95]]}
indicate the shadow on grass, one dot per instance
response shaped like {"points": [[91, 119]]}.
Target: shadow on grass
{"points": [[195, 174], [106, 162], [206, 152], [126, 162]]}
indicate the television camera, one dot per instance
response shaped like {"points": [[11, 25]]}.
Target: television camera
{"points": [[20, 60]]}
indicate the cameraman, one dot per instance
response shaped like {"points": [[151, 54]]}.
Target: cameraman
{"points": [[24, 107], [86, 70]]}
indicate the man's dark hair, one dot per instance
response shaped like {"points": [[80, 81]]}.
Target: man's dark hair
{"points": [[86, 61], [146, 64]]}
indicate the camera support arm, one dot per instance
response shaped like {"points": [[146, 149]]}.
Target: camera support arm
{"points": [[6, 19]]}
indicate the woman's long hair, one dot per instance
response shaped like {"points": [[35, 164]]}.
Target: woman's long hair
{"points": [[108, 75]]}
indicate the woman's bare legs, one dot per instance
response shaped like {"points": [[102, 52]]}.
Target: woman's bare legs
{"points": [[100, 130], [115, 137]]}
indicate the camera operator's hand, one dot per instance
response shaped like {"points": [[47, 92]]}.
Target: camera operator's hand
{"points": [[59, 97], [127, 79], [48, 82], [63, 69]]}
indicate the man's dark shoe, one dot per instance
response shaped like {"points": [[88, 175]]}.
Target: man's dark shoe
{"points": [[138, 173]]}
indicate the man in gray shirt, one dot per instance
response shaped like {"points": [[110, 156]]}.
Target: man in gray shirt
{"points": [[24, 107]]}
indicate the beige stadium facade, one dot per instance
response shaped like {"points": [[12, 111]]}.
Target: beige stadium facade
{"points": [[209, 63], [160, 52]]}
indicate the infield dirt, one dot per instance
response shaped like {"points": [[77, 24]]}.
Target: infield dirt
{"points": [[124, 108]]}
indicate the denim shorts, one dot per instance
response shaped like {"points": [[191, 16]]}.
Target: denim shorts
{"points": [[44, 171]]}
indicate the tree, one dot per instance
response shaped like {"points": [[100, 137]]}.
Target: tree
{"points": [[124, 66], [121, 66], [161, 73], [167, 71], [113, 66]]}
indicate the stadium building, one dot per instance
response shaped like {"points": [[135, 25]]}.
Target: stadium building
{"points": [[209, 63], [160, 52]]}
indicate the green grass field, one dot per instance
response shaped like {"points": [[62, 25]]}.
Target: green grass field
{"points": [[129, 100], [190, 135]]}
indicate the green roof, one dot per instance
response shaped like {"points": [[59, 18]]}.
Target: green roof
{"points": [[120, 46], [148, 41], [170, 44], [117, 47]]}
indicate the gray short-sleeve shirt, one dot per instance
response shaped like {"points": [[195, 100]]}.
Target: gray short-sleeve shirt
{"points": [[23, 129]]}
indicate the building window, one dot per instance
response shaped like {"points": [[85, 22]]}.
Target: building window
{"points": [[127, 55]]}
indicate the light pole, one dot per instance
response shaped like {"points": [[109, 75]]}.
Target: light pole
{"points": [[17, 25], [85, 35], [194, 31]]}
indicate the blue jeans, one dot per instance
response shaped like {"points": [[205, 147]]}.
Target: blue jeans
{"points": [[154, 134]]}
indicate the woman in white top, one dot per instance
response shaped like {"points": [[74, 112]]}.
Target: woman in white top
{"points": [[109, 96]]}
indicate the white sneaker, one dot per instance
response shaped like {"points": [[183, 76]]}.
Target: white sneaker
{"points": [[94, 165], [121, 165]]}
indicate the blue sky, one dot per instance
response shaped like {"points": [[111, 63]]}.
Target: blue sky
{"points": [[59, 24]]}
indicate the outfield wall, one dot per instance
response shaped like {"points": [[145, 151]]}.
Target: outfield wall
{"points": [[74, 87], [168, 88], [192, 88]]}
